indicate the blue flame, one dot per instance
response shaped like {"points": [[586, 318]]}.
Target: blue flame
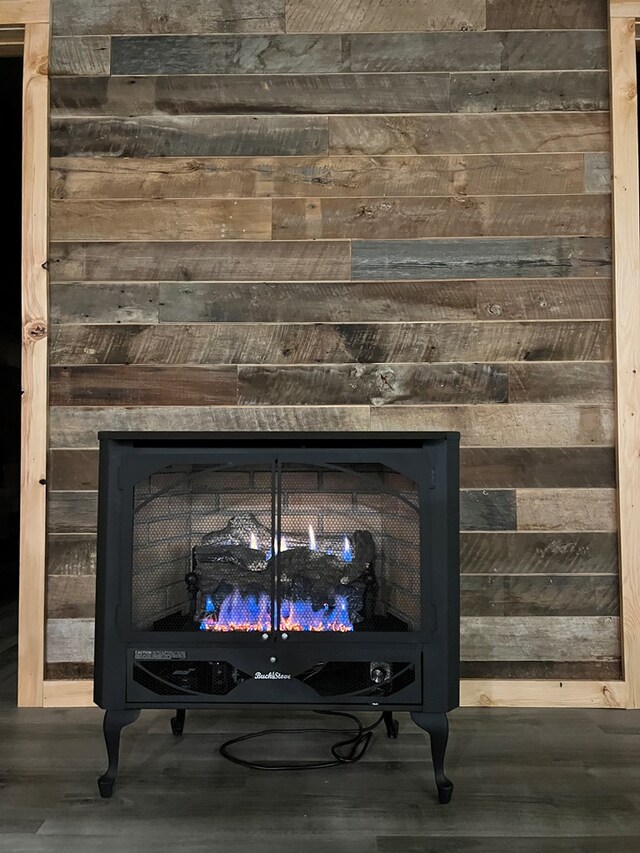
{"points": [[347, 554]]}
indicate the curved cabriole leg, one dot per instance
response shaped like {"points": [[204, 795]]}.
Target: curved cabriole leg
{"points": [[177, 722], [114, 722], [391, 725], [438, 727]]}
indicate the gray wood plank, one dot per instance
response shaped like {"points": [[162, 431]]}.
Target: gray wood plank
{"points": [[548, 467], [250, 93], [73, 470], [201, 54], [71, 17], [184, 261], [538, 553], [551, 383], [265, 302], [344, 16], [544, 595], [72, 512], [71, 555], [470, 134], [191, 136], [597, 173], [329, 344], [481, 258], [542, 14], [375, 384], [79, 427], [84, 55], [601, 670], [78, 302], [506, 426], [476, 51], [487, 509], [71, 597], [529, 90]]}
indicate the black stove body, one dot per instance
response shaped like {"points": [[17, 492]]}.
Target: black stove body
{"points": [[278, 570]]}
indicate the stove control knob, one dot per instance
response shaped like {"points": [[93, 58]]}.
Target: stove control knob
{"points": [[284, 636], [380, 672], [265, 636], [272, 659]]}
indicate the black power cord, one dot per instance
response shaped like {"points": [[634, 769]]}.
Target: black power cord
{"points": [[357, 744]]}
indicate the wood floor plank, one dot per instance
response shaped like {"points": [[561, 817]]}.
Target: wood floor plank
{"points": [[226, 54], [375, 384], [168, 261], [269, 177], [470, 134], [506, 426], [213, 16], [461, 216], [134, 385], [526, 257], [541, 553], [329, 344], [188, 136], [524, 91], [255, 94], [79, 427], [344, 16], [165, 219]]}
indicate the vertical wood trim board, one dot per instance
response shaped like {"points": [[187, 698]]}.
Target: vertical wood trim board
{"points": [[626, 201], [34, 366]]}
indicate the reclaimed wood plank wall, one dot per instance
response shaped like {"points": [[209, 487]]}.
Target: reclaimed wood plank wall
{"points": [[348, 214]]}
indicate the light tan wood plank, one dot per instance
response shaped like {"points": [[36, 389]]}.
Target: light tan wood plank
{"points": [[567, 509], [350, 16], [24, 11], [626, 202], [167, 219], [34, 367], [519, 425]]}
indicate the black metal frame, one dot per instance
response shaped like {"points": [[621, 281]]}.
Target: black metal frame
{"points": [[429, 459]]}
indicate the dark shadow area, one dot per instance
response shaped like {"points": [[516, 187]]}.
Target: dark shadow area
{"points": [[10, 332]]}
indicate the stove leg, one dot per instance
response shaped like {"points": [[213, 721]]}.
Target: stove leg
{"points": [[114, 722], [438, 727], [177, 722], [391, 725]]}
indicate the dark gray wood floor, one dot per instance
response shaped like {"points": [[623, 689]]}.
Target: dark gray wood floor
{"points": [[543, 781]]}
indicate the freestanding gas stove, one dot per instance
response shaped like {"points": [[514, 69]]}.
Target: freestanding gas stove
{"points": [[278, 570]]}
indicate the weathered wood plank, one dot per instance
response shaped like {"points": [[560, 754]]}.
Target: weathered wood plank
{"points": [[203, 54], [546, 14], [483, 638], [168, 261], [526, 257], [78, 302], [601, 671], [133, 385], [244, 177], [524, 91], [86, 55], [71, 597], [188, 136], [73, 470], [544, 595], [148, 16], [460, 216], [488, 509], [250, 93], [79, 427], [168, 219], [538, 553], [72, 512], [469, 134], [546, 467], [329, 344], [80, 671], [375, 384], [545, 299], [71, 555], [567, 509], [505, 426], [597, 173], [552, 638], [205, 302], [480, 51], [344, 16], [551, 383]]}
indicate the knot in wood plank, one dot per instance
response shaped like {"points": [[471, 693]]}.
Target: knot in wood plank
{"points": [[36, 330]]}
